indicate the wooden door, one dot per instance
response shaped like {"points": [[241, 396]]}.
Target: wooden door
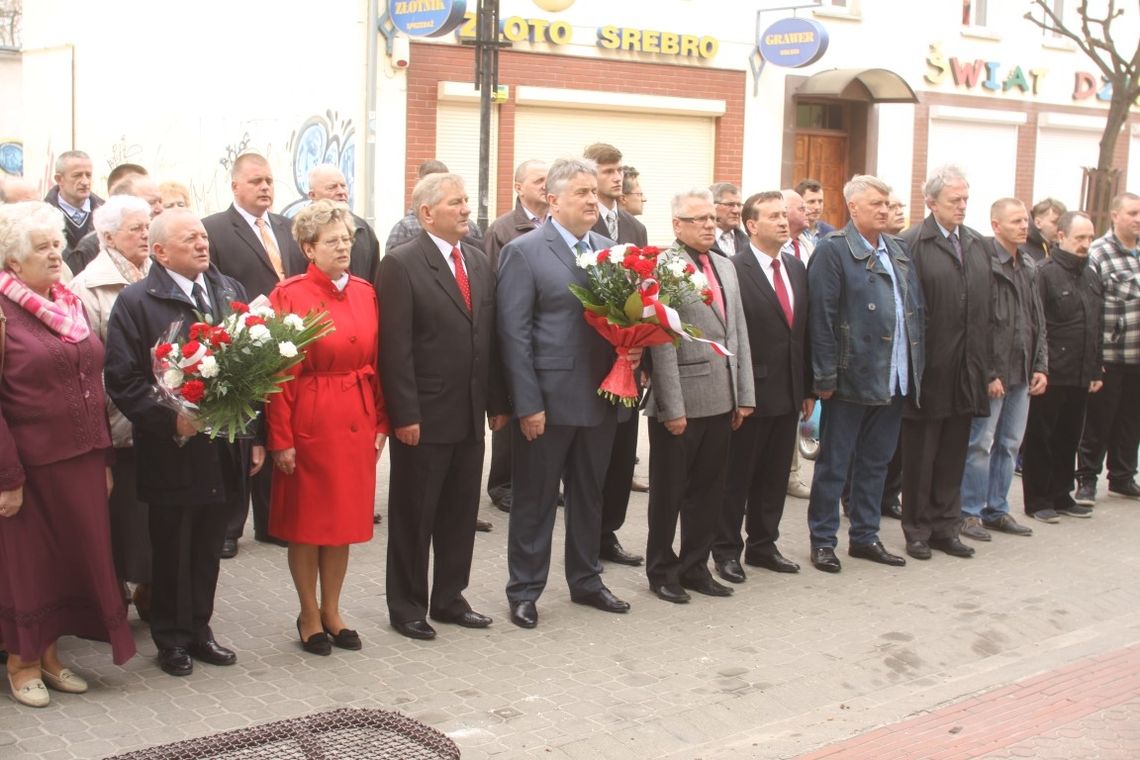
{"points": [[824, 157]]}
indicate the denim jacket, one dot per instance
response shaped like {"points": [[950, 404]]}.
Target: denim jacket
{"points": [[852, 318]]}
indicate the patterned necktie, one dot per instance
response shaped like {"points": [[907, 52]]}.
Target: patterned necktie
{"points": [[612, 225], [796, 248], [957, 245], [271, 248], [728, 243], [461, 276], [79, 217], [714, 285], [781, 290], [200, 299]]}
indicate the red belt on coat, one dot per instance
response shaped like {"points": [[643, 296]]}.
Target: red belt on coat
{"points": [[358, 378]]}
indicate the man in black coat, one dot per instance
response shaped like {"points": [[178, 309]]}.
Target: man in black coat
{"points": [[954, 272], [72, 195], [191, 483], [327, 182], [439, 369], [254, 246]]}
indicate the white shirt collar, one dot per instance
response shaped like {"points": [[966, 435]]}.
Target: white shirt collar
{"points": [[249, 218], [187, 286]]}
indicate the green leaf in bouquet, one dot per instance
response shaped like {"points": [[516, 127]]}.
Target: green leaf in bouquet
{"points": [[616, 315], [633, 307], [585, 296]]}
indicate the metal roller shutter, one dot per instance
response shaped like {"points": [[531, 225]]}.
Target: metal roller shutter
{"points": [[457, 145]]}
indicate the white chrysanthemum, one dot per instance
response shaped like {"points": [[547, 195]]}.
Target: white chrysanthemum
{"points": [[208, 367], [172, 378], [264, 312], [287, 349], [676, 266], [294, 321], [700, 282], [587, 259], [259, 334], [617, 252]]}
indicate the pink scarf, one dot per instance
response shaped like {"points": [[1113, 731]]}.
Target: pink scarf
{"points": [[63, 314]]}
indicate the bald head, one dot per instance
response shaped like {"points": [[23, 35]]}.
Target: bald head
{"points": [[327, 182], [797, 213], [17, 189]]}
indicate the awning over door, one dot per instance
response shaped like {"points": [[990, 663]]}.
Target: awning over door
{"points": [[866, 85]]}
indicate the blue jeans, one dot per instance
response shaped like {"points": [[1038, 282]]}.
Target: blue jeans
{"points": [[861, 439], [994, 442]]}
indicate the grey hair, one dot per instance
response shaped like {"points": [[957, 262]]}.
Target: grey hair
{"points": [[940, 178], [159, 224], [721, 189], [679, 199], [316, 170], [429, 190], [565, 169], [18, 221], [109, 216], [861, 183], [526, 166], [310, 220], [68, 155]]}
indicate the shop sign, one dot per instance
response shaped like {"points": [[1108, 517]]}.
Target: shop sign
{"points": [[997, 77], [793, 42], [426, 18]]}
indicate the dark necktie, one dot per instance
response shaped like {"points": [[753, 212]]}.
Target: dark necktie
{"points": [[461, 276], [200, 300], [957, 245], [781, 291]]}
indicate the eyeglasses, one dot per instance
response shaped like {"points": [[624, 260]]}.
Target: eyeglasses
{"points": [[733, 204], [333, 242], [698, 219]]}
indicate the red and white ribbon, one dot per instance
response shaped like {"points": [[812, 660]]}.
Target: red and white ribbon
{"points": [[668, 316]]}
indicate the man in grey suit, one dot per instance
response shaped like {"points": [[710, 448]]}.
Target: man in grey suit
{"points": [[697, 398], [554, 362]]}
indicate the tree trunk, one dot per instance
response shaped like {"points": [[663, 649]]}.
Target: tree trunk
{"points": [[1118, 109]]}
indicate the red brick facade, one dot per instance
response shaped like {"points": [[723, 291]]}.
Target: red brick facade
{"points": [[433, 63]]}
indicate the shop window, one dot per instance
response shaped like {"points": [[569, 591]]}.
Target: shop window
{"points": [[974, 13], [819, 116]]}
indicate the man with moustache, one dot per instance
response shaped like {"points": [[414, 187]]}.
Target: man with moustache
{"points": [[254, 246], [440, 373], [774, 294], [866, 334], [620, 227], [72, 195], [327, 182], [554, 362], [730, 238], [1018, 371], [956, 277]]}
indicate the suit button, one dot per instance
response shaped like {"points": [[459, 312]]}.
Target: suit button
{"points": [[353, 427], [352, 339], [870, 307]]}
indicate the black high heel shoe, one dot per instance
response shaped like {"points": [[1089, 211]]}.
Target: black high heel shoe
{"points": [[346, 639], [318, 643]]}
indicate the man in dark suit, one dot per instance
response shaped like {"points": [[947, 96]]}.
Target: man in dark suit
{"points": [[730, 238], [554, 362], [956, 278], [774, 292], [72, 195], [327, 182], [254, 246], [440, 375], [620, 227], [193, 484]]}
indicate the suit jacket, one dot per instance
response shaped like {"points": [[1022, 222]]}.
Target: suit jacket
{"points": [[553, 360], [238, 252], [505, 229], [739, 240], [365, 262], [439, 364], [692, 380], [779, 351], [630, 231]]}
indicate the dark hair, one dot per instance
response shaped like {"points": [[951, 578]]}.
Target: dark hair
{"points": [[602, 153], [628, 175], [122, 170], [431, 167], [809, 184], [750, 213], [1045, 205], [1065, 223]]}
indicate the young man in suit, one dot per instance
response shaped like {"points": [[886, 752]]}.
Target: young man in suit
{"points": [[254, 246], [441, 378], [697, 398], [620, 227], [554, 362], [773, 291]]}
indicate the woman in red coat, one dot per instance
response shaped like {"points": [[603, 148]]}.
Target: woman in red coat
{"points": [[327, 427]]}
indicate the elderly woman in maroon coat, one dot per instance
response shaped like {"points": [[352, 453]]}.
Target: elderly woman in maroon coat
{"points": [[56, 573]]}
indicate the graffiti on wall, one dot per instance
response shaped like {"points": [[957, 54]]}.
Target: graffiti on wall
{"points": [[12, 157], [326, 139]]}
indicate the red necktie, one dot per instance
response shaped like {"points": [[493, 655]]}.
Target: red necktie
{"points": [[461, 277], [781, 291], [714, 286], [796, 248]]}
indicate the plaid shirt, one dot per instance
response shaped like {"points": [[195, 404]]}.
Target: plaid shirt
{"points": [[1119, 272]]}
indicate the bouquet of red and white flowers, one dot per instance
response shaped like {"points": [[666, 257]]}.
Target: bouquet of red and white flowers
{"points": [[221, 372], [631, 301]]}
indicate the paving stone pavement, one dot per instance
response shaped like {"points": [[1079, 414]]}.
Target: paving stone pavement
{"points": [[792, 663]]}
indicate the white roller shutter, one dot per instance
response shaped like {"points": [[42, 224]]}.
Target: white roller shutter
{"points": [[1060, 155], [457, 145], [672, 152], [986, 151]]}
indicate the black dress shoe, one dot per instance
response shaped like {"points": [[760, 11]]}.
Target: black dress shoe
{"points": [[952, 546], [613, 552], [670, 592], [774, 561], [524, 614], [483, 526], [875, 552], [212, 652], [318, 643], [918, 549], [175, 661], [346, 639], [1125, 488], [468, 619], [892, 510], [503, 501], [376, 518], [823, 558], [415, 629], [602, 599], [731, 571], [229, 548], [707, 586]]}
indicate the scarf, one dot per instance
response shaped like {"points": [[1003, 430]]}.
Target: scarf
{"points": [[63, 314], [129, 271]]}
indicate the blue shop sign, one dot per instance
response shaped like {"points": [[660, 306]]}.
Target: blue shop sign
{"points": [[426, 18], [793, 42]]}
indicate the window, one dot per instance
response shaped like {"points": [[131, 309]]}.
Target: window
{"points": [[973, 12], [1058, 8], [819, 116]]}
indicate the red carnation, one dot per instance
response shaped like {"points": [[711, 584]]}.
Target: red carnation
{"points": [[650, 250], [690, 269], [644, 268], [219, 336], [193, 390], [604, 256], [191, 347], [706, 296], [253, 319], [629, 260], [162, 350], [239, 307], [199, 330]]}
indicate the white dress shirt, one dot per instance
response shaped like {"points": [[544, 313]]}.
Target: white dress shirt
{"points": [[445, 250], [766, 267]]}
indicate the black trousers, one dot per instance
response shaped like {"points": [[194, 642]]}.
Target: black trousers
{"points": [[130, 536], [756, 486], [499, 475], [1052, 433], [934, 458], [686, 479], [1112, 427], [257, 492], [433, 502], [619, 476]]}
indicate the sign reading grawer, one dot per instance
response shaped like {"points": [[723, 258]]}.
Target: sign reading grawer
{"points": [[793, 42], [426, 18]]}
